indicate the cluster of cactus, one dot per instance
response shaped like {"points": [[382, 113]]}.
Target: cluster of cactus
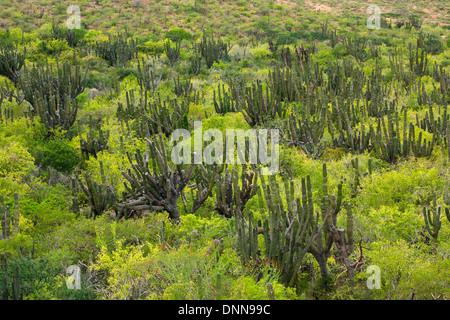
{"points": [[288, 231], [133, 109], [152, 117], [411, 22], [117, 50], [204, 180], [430, 43], [16, 291], [342, 238], [52, 95], [163, 116], [64, 34], [324, 28], [443, 78], [432, 216], [11, 61], [293, 230], [283, 84], [195, 64], [357, 178], [355, 139], [213, 50], [361, 48], [224, 102], [376, 95], [147, 76], [93, 143], [9, 223], [309, 77], [286, 56], [389, 145], [432, 220], [420, 148], [418, 61], [172, 52], [261, 105], [306, 130], [6, 114], [154, 188], [101, 196], [230, 196], [334, 39], [302, 54], [183, 88]]}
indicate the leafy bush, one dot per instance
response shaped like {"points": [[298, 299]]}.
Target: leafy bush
{"points": [[57, 154], [178, 34], [15, 161]]}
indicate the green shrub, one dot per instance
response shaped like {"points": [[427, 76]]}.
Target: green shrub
{"points": [[178, 34], [57, 154]]}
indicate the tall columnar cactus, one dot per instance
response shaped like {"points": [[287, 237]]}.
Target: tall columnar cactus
{"points": [[11, 62], [447, 199], [9, 224], [64, 34], [183, 88], [430, 43], [14, 291], [228, 188], [306, 131], [205, 176], [172, 52], [164, 116], [334, 39], [360, 48], [53, 92], [195, 63], [330, 208], [292, 230], [156, 187], [418, 61], [101, 197], [132, 109], [290, 233], [387, 141], [224, 102], [420, 148], [213, 50], [443, 78], [283, 83], [148, 77], [93, 143], [356, 181], [432, 219], [117, 50], [261, 105], [6, 114], [75, 201], [324, 27]]}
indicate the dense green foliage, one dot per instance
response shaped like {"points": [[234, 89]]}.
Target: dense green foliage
{"points": [[87, 171]]}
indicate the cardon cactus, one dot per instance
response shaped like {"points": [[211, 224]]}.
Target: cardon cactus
{"points": [[153, 185], [53, 95], [231, 196], [9, 224], [101, 197]]}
